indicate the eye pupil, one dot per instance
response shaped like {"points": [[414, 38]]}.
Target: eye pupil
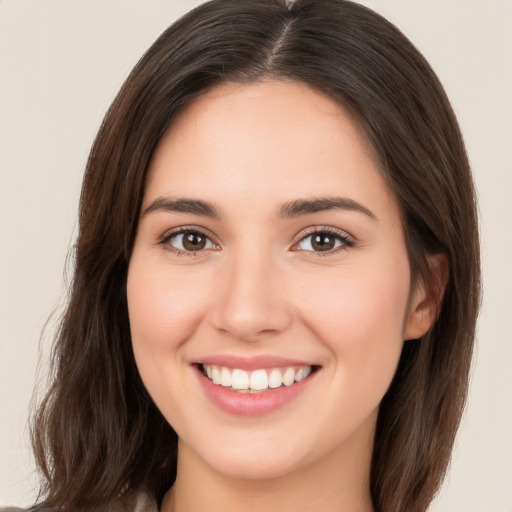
{"points": [[194, 241], [323, 242]]}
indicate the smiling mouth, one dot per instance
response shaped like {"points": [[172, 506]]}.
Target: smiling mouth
{"points": [[256, 381]]}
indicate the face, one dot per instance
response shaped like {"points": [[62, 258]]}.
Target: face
{"points": [[269, 289]]}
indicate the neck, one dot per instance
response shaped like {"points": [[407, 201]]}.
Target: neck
{"points": [[334, 483]]}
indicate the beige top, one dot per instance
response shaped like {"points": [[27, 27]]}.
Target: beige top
{"points": [[137, 503]]}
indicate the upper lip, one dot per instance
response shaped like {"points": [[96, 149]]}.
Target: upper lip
{"points": [[251, 363]]}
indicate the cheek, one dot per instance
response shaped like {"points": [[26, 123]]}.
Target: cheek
{"points": [[163, 309], [359, 316], [357, 303], [163, 306]]}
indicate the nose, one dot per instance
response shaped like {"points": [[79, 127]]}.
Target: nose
{"points": [[251, 302]]}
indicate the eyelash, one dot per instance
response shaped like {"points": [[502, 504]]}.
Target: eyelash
{"points": [[346, 241], [165, 240]]}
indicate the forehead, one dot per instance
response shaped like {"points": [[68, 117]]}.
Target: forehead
{"points": [[267, 140]]}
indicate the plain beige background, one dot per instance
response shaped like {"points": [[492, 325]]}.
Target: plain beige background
{"points": [[62, 61]]}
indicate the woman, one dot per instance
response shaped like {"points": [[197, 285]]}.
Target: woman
{"points": [[267, 308]]}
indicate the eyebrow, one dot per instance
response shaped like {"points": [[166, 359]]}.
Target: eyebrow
{"points": [[321, 204], [288, 210], [184, 205]]}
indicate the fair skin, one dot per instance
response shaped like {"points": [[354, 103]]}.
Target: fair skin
{"points": [[288, 252]]}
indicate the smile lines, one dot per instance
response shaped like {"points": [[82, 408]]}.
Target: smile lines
{"points": [[257, 380]]}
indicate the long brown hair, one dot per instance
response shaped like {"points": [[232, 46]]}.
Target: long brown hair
{"points": [[97, 434]]}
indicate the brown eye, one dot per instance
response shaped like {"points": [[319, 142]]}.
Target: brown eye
{"points": [[324, 241], [188, 241], [194, 241]]}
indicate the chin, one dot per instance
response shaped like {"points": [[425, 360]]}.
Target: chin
{"points": [[251, 459]]}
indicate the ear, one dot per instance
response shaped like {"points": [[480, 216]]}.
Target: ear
{"points": [[426, 298]]}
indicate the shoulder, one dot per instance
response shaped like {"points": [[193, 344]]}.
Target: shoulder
{"points": [[139, 502]]}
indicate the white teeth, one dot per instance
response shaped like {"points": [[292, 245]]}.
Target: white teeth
{"points": [[239, 379], [215, 375], [225, 377], [257, 380], [299, 375], [302, 373], [275, 379], [289, 377]]}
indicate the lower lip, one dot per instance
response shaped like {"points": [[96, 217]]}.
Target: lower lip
{"points": [[252, 404]]}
